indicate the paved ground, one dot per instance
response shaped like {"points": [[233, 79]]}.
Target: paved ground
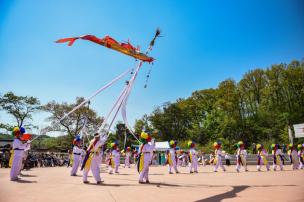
{"points": [[55, 185]]}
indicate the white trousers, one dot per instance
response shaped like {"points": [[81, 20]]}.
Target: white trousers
{"points": [[261, 164], [238, 165], [295, 163], [116, 166], [144, 174], [127, 161], [76, 163], [95, 170], [16, 166], [274, 166], [193, 165], [219, 164], [172, 167]]}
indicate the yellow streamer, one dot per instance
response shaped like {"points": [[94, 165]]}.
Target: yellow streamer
{"points": [[11, 158], [141, 162]]}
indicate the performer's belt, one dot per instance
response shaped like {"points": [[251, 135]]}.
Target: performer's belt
{"points": [[77, 153], [19, 149]]}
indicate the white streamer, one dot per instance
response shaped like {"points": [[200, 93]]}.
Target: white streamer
{"points": [[96, 93]]}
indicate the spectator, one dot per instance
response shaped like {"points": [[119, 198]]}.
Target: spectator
{"points": [[227, 159]]}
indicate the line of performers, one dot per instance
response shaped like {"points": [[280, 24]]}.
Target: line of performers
{"points": [[91, 158], [144, 157]]}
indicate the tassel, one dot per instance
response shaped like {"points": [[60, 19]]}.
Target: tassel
{"points": [[157, 33]]}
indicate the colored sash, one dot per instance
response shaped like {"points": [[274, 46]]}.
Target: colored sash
{"points": [[140, 160], [276, 159], [240, 160], [170, 159], [215, 160], [88, 154], [264, 160], [87, 165], [190, 157], [11, 159], [71, 159], [282, 159], [111, 161]]}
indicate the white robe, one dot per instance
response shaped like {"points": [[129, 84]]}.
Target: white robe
{"points": [[295, 160], [263, 154], [193, 164], [95, 167], [116, 161], [77, 152], [278, 160], [146, 150], [173, 160], [19, 148], [127, 159], [241, 155], [218, 156]]}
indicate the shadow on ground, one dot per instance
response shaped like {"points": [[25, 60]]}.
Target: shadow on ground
{"points": [[26, 175], [25, 181], [232, 194]]}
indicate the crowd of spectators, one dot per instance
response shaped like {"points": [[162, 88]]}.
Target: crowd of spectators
{"points": [[35, 159]]}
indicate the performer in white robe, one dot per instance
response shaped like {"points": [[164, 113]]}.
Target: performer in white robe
{"points": [[218, 156], [18, 147], [262, 157], [92, 158], [193, 164], [115, 158], [128, 155], [293, 156], [241, 155], [172, 158], [181, 160], [277, 157], [77, 152], [144, 158]]}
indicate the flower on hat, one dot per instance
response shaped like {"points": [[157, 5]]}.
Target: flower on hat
{"points": [[144, 135]]}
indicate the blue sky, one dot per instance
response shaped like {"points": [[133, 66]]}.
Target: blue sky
{"points": [[204, 43]]}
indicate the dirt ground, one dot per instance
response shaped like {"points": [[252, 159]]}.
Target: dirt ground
{"points": [[55, 185]]}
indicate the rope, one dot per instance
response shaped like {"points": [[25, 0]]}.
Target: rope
{"points": [[88, 99], [96, 93]]}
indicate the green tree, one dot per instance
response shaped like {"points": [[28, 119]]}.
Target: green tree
{"points": [[73, 124], [20, 107], [258, 108]]}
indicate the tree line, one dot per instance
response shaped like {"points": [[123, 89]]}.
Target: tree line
{"points": [[258, 108]]}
